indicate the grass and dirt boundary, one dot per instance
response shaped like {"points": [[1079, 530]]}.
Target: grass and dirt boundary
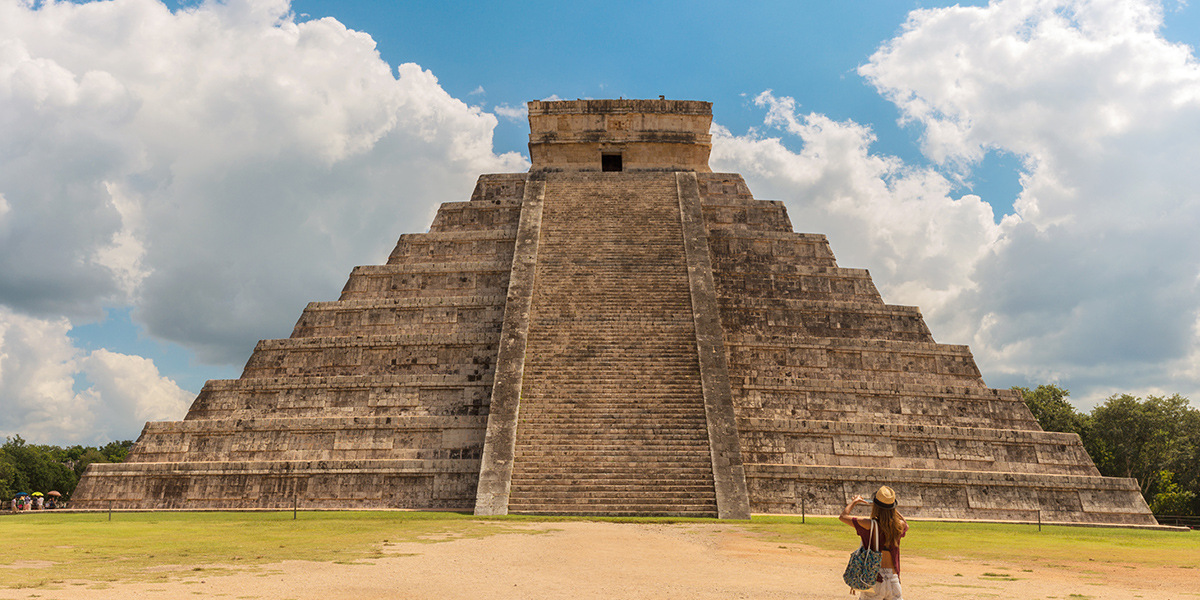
{"points": [[49, 549]]}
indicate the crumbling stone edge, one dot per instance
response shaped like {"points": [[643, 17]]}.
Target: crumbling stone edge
{"points": [[499, 446], [729, 476]]}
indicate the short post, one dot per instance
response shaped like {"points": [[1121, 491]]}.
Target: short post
{"points": [[1039, 519], [802, 511], [110, 510], [295, 504]]}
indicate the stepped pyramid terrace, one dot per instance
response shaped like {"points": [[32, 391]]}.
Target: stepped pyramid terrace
{"points": [[619, 331]]}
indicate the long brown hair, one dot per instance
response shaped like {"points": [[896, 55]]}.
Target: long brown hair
{"points": [[889, 525]]}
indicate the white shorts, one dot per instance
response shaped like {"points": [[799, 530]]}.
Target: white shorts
{"points": [[888, 589]]}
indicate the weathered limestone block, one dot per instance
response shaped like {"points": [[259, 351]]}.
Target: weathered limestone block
{"points": [[409, 316], [765, 252], [341, 396], [786, 246], [256, 440], [499, 187], [469, 354], [427, 280], [362, 484], [799, 282], [958, 494], [737, 217], [448, 247], [814, 442], [724, 186], [474, 216], [804, 319], [873, 359]]}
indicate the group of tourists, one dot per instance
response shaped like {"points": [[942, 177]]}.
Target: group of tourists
{"points": [[35, 501]]}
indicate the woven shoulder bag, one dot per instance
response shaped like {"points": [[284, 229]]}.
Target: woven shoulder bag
{"points": [[863, 568]]}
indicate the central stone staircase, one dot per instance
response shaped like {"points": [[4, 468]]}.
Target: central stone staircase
{"points": [[612, 418]]}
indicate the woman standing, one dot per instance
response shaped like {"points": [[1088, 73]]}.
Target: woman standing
{"points": [[890, 526]]}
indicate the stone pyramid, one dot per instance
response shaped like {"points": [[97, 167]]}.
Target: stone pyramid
{"points": [[618, 331]]}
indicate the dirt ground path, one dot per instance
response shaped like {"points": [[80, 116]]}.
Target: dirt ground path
{"points": [[577, 560]]}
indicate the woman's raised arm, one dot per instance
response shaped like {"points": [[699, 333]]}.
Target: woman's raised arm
{"points": [[845, 516]]}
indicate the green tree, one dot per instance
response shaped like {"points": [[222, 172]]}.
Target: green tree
{"points": [[7, 474], [1172, 499], [116, 451], [1053, 412], [1185, 464], [35, 469], [1143, 439], [40, 468], [1156, 441], [89, 456]]}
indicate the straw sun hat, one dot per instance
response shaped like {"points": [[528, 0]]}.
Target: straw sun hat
{"points": [[885, 497]]}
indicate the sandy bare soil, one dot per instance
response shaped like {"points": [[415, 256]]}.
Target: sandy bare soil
{"points": [[575, 560]]}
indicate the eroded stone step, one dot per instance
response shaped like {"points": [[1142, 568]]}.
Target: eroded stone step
{"points": [[627, 440], [549, 511], [569, 456], [618, 430], [628, 504], [696, 490], [626, 471], [643, 497]]}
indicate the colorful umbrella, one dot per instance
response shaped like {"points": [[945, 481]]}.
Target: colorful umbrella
{"points": [[53, 493], [23, 494], [38, 494]]}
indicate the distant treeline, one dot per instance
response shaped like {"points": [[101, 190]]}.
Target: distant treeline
{"points": [[40, 468], [1156, 441]]}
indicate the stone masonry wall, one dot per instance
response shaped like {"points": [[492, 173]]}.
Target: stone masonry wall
{"points": [[377, 400], [837, 392]]}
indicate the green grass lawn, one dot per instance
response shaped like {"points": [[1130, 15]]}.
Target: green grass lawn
{"points": [[983, 542], [144, 546], [160, 546]]}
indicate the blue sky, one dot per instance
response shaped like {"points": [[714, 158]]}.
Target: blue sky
{"points": [[722, 52], [499, 54], [179, 180]]}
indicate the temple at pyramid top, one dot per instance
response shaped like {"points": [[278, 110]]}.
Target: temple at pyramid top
{"points": [[620, 135]]}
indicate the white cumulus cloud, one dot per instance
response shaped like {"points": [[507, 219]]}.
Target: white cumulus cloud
{"points": [[214, 168], [39, 370], [1093, 282], [132, 390], [1095, 279], [516, 114]]}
